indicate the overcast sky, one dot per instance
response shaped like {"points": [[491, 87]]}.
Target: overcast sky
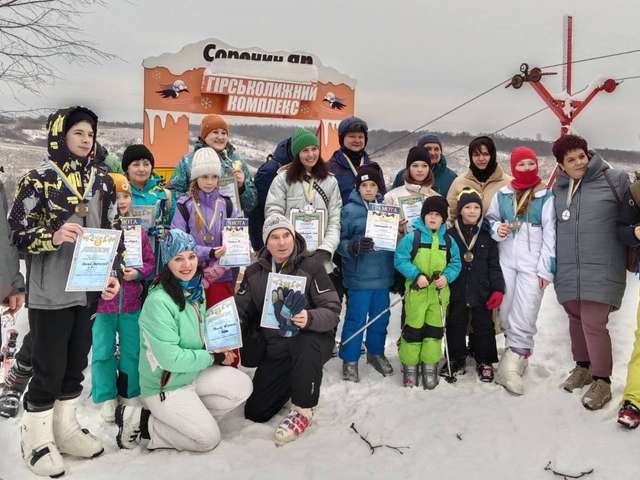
{"points": [[412, 59]]}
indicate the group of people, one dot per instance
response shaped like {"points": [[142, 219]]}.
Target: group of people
{"points": [[475, 261]]}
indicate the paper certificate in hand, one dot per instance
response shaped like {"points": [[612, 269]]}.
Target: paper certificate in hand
{"points": [[382, 226], [235, 237], [222, 326], [92, 262], [310, 225], [228, 187], [132, 231], [147, 213], [411, 206], [275, 281]]}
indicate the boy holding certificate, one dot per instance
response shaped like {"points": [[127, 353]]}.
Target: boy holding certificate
{"points": [[53, 205], [120, 315], [368, 274], [429, 260]]}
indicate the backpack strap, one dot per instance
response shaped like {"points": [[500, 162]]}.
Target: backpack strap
{"points": [[184, 211], [229, 205], [613, 189], [416, 245]]}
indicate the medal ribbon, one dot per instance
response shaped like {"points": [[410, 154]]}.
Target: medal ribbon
{"points": [[353, 169], [273, 265], [573, 188], [517, 206], [207, 229], [308, 194], [67, 183], [473, 240]]}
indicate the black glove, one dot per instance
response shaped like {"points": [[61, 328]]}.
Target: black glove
{"points": [[321, 256], [360, 246], [283, 313]]}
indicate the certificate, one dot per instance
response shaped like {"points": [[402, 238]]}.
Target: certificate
{"points": [[132, 231], [275, 281], [382, 226], [222, 326], [411, 206], [147, 213], [92, 261], [235, 237], [228, 187], [309, 224]]}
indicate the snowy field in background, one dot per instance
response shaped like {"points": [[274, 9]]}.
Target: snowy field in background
{"points": [[466, 430]]}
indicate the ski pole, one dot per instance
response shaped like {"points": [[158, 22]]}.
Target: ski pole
{"points": [[450, 378], [364, 327]]}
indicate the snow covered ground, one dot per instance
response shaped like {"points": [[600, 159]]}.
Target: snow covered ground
{"points": [[465, 430]]}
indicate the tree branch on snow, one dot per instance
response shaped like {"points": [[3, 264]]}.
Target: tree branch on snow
{"points": [[549, 468], [372, 447], [35, 33]]}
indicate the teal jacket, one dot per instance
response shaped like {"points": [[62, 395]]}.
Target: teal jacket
{"points": [[179, 181], [404, 263], [172, 350], [154, 193]]}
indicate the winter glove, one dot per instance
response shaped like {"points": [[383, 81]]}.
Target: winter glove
{"points": [[495, 300], [321, 256], [360, 246], [283, 313]]}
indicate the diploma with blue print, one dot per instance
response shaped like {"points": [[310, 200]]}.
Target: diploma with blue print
{"points": [[235, 238], [132, 231], [147, 213], [277, 281], [222, 326], [92, 261], [382, 226], [411, 206]]}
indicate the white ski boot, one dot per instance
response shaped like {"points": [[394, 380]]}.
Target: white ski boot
{"points": [[128, 419], [39, 451], [510, 371], [293, 425], [108, 410], [70, 437]]}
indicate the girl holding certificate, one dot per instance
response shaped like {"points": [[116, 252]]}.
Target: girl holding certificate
{"points": [[202, 213], [305, 192], [522, 220], [110, 379], [184, 387]]}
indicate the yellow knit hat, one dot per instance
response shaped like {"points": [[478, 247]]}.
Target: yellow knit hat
{"points": [[122, 184]]}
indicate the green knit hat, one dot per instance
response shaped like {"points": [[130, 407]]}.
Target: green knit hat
{"points": [[302, 139]]}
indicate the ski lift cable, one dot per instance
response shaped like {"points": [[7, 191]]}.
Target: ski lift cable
{"points": [[489, 90]]}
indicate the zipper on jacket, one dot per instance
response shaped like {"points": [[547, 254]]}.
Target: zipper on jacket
{"points": [[164, 379], [578, 242]]}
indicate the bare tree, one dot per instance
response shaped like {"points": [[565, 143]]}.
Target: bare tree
{"points": [[36, 33]]}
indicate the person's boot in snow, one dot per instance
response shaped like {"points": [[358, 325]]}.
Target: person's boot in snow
{"points": [[293, 425], [485, 372], [380, 363], [430, 378], [629, 415], [108, 410], [597, 396], [70, 437], [510, 371], [37, 445], [410, 375], [14, 386], [578, 378], [458, 367], [129, 420], [350, 372]]}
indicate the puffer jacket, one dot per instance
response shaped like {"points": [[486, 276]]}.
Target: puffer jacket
{"points": [[339, 166], [373, 270], [154, 193], [487, 190], [591, 258], [282, 197], [172, 349], [181, 177], [443, 177]]}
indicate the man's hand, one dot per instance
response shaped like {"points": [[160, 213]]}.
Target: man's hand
{"points": [[69, 232], [301, 319], [14, 301]]}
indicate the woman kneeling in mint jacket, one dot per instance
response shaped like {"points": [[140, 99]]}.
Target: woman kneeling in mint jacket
{"points": [[183, 386]]}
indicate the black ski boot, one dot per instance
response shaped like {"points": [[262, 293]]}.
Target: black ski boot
{"points": [[14, 386]]}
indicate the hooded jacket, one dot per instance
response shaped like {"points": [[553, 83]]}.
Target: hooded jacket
{"points": [[43, 204], [487, 190]]}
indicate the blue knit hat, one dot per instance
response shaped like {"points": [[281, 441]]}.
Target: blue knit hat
{"points": [[429, 138], [174, 243]]}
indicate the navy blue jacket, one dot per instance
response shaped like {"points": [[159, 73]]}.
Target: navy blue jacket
{"points": [[346, 179], [443, 177]]}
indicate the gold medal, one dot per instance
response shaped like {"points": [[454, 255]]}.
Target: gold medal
{"points": [[468, 256], [208, 238], [82, 209], [515, 225]]}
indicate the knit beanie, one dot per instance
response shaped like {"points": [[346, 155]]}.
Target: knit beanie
{"points": [[418, 154], [174, 243], [370, 171], [212, 122], [274, 222], [566, 143], [136, 152], [301, 139], [121, 182], [80, 115], [466, 196], [205, 162], [437, 204], [429, 138], [353, 125]]}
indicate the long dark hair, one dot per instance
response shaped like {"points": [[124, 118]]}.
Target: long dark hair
{"points": [[296, 171], [172, 286]]}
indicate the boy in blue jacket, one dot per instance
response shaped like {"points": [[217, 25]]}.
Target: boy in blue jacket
{"points": [[368, 274], [429, 265]]}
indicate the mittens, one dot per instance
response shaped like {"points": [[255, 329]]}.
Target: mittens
{"points": [[495, 300], [360, 246]]}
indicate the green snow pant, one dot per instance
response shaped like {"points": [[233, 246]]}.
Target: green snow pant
{"points": [[108, 377]]}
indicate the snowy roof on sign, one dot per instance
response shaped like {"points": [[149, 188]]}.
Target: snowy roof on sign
{"points": [[191, 56]]}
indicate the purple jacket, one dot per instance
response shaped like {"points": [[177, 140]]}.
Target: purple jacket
{"points": [[210, 204], [130, 291]]}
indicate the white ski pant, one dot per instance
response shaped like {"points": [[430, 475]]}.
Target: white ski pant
{"points": [[184, 420], [520, 306]]}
